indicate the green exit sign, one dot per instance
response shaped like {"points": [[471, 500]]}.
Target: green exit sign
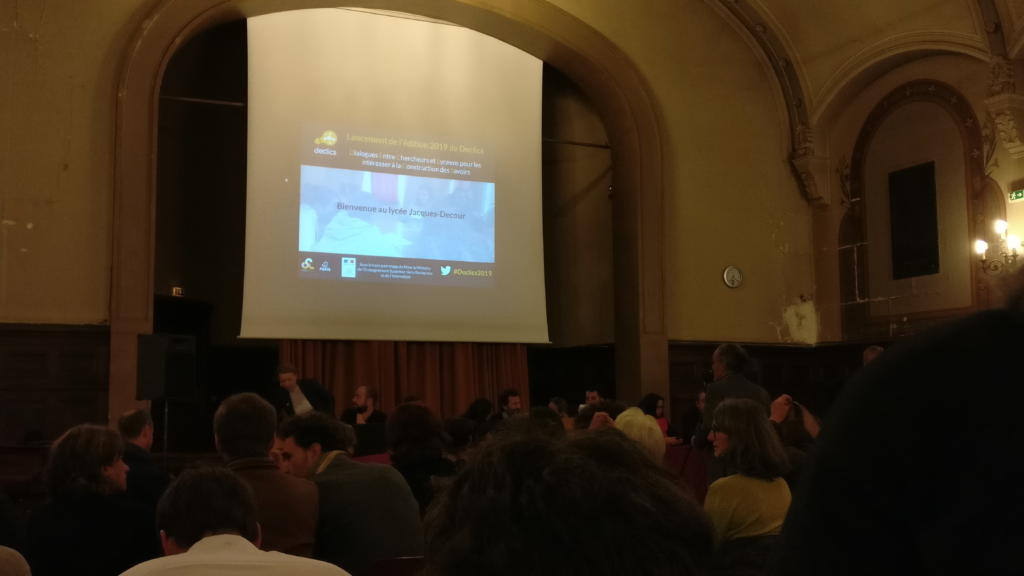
{"points": [[1017, 196]]}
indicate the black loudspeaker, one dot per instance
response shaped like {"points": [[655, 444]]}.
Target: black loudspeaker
{"points": [[166, 367]]}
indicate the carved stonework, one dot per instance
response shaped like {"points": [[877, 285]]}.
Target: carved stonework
{"points": [[814, 173], [804, 143], [1007, 112], [1000, 77]]}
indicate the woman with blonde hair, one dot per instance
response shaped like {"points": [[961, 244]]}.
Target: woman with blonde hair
{"points": [[644, 430], [754, 499]]}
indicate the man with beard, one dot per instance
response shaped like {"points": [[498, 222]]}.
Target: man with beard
{"points": [[365, 410]]}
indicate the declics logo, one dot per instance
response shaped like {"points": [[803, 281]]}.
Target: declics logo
{"points": [[307, 264], [445, 270], [329, 138]]}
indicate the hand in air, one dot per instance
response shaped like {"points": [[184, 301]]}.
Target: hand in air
{"points": [[601, 421], [781, 407]]}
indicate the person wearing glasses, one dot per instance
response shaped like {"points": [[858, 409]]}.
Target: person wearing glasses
{"points": [[753, 499]]}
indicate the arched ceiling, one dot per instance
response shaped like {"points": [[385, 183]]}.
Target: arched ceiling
{"points": [[1011, 13], [832, 42]]}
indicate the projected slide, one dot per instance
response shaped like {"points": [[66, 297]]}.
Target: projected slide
{"points": [[395, 208]]}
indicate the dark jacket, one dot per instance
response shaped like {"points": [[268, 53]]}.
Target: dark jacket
{"points": [[288, 506], [731, 386], [319, 398], [349, 417], [93, 534], [888, 490], [367, 513], [146, 482], [419, 474]]}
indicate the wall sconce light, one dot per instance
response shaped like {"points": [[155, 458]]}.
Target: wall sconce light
{"points": [[177, 291], [1009, 245]]}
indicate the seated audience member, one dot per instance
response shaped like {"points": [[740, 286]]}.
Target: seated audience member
{"points": [[592, 504], [146, 482], [593, 396], [797, 428], [208, 526], [297, 396], [367, 511], [85, 523], [12, 563], [654, 406], [479, 411], [417, 441], [460, 439], [753, 500], [243, 428], [889, 491], [509, 405], [364, 410], [562, 408], [546, 420], [644, 430]]}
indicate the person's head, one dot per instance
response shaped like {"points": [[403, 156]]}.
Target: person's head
{"points": [[541, 505], [136, 426], [244, 426], [459, 431], [559, 406], [509, 401], [206, 502], [288, 376], [652, 405], [642, 429], [729, 359], [415, 433], [410, 399], [872, 352], [793, 431], [743, 435], [700, 401], [86, 460], [593, 397], [479, 411], [546, 419], [365, 399], [308, 436]]}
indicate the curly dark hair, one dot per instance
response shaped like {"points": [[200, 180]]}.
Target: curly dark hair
{"points": [[415, 433], [649, 404], [479, 411], [754, 447], [316, 428], [594, 505], [77, 459]]}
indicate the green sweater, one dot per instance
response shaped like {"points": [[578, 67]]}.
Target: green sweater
{"points": [[741, 506]]}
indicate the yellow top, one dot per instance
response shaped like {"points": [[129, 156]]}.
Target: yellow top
{"points": [[742, 506]]}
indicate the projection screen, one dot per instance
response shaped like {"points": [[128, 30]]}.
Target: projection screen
{"points": [[394, 181]]}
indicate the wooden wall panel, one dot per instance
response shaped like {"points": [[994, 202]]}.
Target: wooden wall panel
{"points": [[51, 378]]}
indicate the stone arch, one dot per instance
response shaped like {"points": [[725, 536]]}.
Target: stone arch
{"points": [[853, 287], [602, 71]]}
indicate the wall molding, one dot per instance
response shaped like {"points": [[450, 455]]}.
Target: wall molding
{"points": [[855, 297]]}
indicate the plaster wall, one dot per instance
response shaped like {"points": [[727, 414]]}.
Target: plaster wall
{"points": [[731, 196], [970, 77]]}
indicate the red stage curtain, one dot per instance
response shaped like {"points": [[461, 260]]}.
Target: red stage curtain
{"points": [[447, 376]]}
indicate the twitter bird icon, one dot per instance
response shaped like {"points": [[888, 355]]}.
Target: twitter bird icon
{"points": [[445, 270]]}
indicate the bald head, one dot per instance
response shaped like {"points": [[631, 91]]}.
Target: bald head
{"points": [[872, 352]]}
